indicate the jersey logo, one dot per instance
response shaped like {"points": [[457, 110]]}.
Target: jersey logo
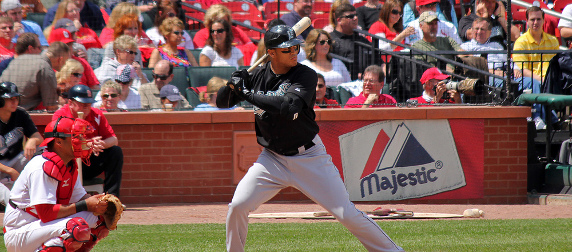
{"points": [[281, 91], [297, 89], [295, 117], [66, 183], [97, 119], [11, 138]]}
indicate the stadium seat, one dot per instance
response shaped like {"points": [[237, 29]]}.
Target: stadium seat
{"points": [[320, 23], [344, 95], [243, 10], [271, 9], [199, 76], [560, 4], [147, 21], [193, 96], [196, 53], [180, 79], [37, 18]]}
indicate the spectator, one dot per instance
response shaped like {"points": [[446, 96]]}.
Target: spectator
{"points": [[156, 36], [142, 5], [69, 76], [162, 75], [208, 97], [218, 50], [49, 209], [488, 9], [27, 43], [125, 75], [88, 77], [332, 17], [318, 48], [371, 96], [89, 14], [16, 125], [32, 6], [172, 31], [302, 8], [344, 38], [110, 96], [368, 14], [565, 26], [180, 12], [35, 76], [170, 97], [434, 88], [534, 65], [110, 160], [390, 26], [67, 17], [131, 26], [6, 35], [444, 29], [444, 9], [321, 100], [13, 9], [125, 49], [122, 9]]}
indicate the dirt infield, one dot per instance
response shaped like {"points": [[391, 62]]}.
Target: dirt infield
{"points": [[216, 213]]}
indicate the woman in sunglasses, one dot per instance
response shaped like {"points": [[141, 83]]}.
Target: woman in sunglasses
{"points": [[172, 30], [219, 50], [68, 76], [318, 48], [167, 11], [390, 26], [110, 95]]}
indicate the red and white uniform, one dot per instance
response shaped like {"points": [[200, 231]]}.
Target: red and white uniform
{"points": [[24, 231]]}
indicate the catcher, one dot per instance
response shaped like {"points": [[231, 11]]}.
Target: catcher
{"points": [[48, 209]]}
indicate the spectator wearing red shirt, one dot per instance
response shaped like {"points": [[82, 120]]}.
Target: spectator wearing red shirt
{"points": [[371, 96], [434, 88], [110, 160], [321, 100], [6, 35]]}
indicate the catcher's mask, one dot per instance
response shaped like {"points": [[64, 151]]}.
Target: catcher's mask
{"points": [[76, 129]]}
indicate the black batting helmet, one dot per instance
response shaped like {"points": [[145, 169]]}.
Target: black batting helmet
{"points": [[81, 93], [280, 36], [8, 90]]}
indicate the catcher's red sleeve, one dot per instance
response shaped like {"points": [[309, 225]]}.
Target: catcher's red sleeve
{"points": [[48, 212]]}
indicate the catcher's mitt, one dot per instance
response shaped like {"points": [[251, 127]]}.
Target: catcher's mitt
{"points": [[113, 212]]}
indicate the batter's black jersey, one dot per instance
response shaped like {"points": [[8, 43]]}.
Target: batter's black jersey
{"points": [[283, 131]]}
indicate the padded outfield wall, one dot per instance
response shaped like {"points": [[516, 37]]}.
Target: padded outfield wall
{"points": [[194, 157]]}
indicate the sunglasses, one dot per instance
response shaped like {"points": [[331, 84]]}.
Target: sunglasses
{"points": [[131, 52], [350, 16], [77, 75], [322, 42], [160, 76], [105, 96], [219, 31], [396, 12], [296, 49], [178, 32]]}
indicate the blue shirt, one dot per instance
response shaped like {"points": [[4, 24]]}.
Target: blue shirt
{"points": [[90, 15], [207, 107], [33, 28]]}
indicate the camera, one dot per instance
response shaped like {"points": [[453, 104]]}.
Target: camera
{"points": [[470, 87]]}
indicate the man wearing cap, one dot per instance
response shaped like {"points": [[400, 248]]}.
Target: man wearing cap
{"points": [[48, 209], [413, 8], [110, 160], [444, 28], [125, 75], [434, 88], [283, 93], [15, 123], [35, 77], [83, 35], [150, 95], [170, 97], [13, 9], [371, 96], [89, 15]]}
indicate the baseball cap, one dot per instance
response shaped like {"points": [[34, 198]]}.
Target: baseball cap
{"points": [[425, 2], [427, 17], [433, 73], [124, 73], [62, 35], [10, 5], [170, 92], [65, 23]]}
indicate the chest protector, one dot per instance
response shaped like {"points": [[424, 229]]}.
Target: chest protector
{"points": [[65, 175]]}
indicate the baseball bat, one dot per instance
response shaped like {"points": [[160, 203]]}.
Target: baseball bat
{"points": [[299, 27]]}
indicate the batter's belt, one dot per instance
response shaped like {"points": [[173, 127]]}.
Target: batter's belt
{"points": [[299, 150]]}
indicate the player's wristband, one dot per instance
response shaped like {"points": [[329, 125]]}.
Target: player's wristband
{"points": [[80, 206]]}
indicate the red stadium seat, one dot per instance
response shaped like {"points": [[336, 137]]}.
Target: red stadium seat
{"points": [[320, 23], [271, 9], [320, 8], [560, 4], [243, 9]]}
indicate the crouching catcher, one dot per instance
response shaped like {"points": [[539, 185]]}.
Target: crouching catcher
{"points": [[49, 210]]}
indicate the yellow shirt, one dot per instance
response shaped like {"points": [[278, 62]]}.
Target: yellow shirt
{"points": [[534, 62]]}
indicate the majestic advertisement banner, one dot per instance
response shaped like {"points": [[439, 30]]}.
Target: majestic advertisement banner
{"points": [[404, 159]]}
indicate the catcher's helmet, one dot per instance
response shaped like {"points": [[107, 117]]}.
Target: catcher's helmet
{"points": [[75, 128], [280, 36], [8, 90], [81, 93]]}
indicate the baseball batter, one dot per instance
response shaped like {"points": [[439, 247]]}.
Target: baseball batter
{"points": [[48, 209], [283, 93]]}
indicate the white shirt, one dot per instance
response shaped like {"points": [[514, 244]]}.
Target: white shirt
{"points": [[133, 100], [494, 60], [444, 29], [338, 75], [158, 39], [217, 60], [567, 12]]}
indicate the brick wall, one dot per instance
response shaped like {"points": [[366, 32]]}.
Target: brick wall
{"points": [[187, 157]]}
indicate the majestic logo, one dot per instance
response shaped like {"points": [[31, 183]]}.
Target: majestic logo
{"points": [[419, 159]]}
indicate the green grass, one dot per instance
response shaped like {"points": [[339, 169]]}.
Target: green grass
{"points": [[434, 235]]}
